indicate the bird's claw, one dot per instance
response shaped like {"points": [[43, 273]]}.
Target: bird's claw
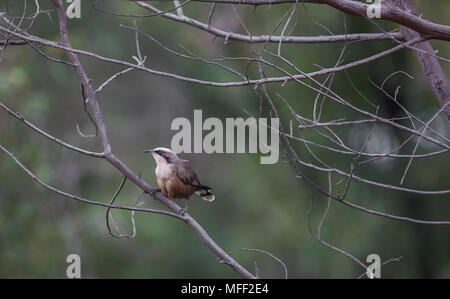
{"points": [[154, 190], [183, 211]]}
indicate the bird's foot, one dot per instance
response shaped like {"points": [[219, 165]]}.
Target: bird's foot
{"points": [[154, 190], [183, 211]]}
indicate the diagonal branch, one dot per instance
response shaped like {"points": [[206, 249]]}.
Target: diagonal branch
{"points": [[48, 136], [430, 65], [128, 173]]}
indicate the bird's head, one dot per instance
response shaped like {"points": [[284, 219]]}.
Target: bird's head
{"points": [[163, 155]]}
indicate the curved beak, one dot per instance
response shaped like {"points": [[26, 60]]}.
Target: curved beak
{"points": [[149, 151]]}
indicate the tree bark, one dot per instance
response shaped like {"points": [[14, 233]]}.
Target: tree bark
{"points": [[429, 63]]}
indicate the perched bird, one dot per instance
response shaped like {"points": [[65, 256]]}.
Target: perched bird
{"points": [[175, 177]]}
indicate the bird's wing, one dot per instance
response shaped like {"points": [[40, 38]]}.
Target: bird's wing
{"points": [[186, 174]]}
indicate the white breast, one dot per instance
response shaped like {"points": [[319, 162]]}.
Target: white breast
{"points": [[163, 171]]}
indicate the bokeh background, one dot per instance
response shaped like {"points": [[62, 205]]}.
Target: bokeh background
{"points": [[257, 206]]}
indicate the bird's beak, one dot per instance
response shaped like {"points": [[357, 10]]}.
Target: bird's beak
{"points": [[149, 151]]}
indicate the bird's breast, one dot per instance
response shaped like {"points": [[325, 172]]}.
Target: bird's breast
{"points": [[164, 171]]}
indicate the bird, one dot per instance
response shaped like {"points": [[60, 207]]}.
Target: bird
{"points": [[175, 177]]}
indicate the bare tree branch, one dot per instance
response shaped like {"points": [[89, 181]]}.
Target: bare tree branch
{"points": [[48, 136], [271, 38], [121, 166], [389, 11], [430, 65]]}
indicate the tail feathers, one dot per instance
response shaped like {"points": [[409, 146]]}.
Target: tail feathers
{"points": [[206, 193], [209, 198]]}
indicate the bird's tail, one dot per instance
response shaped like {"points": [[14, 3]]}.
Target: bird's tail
{"points": [[205, 192]]}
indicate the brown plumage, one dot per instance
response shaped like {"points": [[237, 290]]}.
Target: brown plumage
{"points": [[175, 177]]}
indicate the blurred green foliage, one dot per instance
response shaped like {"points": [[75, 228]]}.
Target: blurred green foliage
{"points": [[257, 206]]}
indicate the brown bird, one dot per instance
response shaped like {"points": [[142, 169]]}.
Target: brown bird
{"points": [[175, 177]]}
